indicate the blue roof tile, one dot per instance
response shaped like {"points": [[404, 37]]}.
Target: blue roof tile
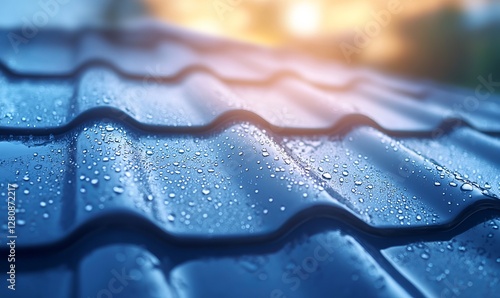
{"points": [[204, 167], [465, 265]]}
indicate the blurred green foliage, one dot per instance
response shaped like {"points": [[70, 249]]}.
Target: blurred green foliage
{"points": [[443, 47]]}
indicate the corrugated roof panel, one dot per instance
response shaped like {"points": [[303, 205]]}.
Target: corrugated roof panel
{"points": [[200, 100], [463, 266], [206, 167], [386, 179], [237, 183]]}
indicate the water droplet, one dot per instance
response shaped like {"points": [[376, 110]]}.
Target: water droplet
{"points": [[466, 187], [327, 176], [345, 173], [425, 256], [282, 208], [88, 207], [206, 191], [181, 151], [21, 222], [171, 195], [453, 184], [419, 217], [118, 189], [437, 183], [109, 128], [43, 204], [171, 217], [38, 167], [94, 181], [149, 152]]}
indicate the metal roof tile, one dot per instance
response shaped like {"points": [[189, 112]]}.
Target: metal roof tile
{"points": [[465, 265], [203, 165]]}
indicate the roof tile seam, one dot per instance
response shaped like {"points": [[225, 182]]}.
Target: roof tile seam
{"points": [[338, 126]]}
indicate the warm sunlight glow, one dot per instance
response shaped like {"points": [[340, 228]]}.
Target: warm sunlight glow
{"points": [[303, 18], [352, 31], [348, 15]]}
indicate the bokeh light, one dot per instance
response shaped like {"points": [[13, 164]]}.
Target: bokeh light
{"points": [[303, 18], [441, 40]]}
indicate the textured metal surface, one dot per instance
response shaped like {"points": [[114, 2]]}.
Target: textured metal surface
{"points": [[193, 85], [166, 165]]}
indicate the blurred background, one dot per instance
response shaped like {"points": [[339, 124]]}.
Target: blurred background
{"points": [[452, 41]]}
